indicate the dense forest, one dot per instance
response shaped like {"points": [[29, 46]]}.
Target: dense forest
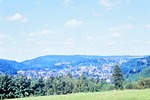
{"points": [[20, 86]]}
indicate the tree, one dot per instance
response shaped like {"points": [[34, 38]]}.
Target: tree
{"points": [[118, 78], [144, 82], [21, 86], [49, 86], [6, 86], [38, 87]]}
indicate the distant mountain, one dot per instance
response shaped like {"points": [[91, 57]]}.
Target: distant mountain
{"points": [[10, 67], [94, 66], [53, 61], [63, 61]]}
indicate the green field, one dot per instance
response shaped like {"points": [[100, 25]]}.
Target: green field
{"points": [[109, 95]]}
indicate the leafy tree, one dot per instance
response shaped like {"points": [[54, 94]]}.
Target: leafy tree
{"points": [[118, 78], [38, 87], [21, 86], [69, 75], [76, 89], [84, 83], [132, 85], [144, 83], [49, 86], [5, 86], [69, 85], [60, 84]]}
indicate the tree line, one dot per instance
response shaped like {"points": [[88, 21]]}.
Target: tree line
{"points": [[20, 86]]}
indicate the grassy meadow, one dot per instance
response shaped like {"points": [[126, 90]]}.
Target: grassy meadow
{"points": [[108, 95]]}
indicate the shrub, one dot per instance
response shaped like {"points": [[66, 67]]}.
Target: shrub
{"points": [[109, 87], [132, 85], [144, 83]]}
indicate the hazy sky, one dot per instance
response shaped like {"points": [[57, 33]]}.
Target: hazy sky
{"points": [[32, 28]]}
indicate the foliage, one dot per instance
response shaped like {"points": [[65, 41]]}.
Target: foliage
{"points": [[118, 78], [20, 86], [132, 85], [6, 87], [144, 83]]}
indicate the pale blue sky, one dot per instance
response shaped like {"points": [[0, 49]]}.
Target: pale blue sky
{"points": [[32, 28]]}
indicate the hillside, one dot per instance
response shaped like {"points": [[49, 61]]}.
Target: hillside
{"points": [[92, 66], [143, 74], [135, 65], [10, 67], [53, 61], [108, 95]]}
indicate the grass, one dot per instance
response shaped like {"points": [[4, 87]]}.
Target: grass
{"points": [[108, 95]]}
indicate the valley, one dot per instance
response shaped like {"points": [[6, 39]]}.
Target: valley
{"points": [[92, 66]]}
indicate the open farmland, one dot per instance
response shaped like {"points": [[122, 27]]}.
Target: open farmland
{"points": [[108, 95]]}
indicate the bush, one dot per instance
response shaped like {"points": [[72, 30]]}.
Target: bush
{"points": [[144, 83], [132, 85], [109, 87]]}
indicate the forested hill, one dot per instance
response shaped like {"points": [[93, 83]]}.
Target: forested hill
{"points": [[143, 74], [10, 67], [135, 65], [95, 66], [62, 61]]}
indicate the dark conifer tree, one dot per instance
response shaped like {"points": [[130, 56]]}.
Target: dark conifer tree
{"points": [[118, 78]]}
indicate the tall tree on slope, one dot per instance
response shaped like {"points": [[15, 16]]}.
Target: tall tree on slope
{"points": [[118, 78]]}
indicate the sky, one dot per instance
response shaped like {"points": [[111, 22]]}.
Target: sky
{"points": [[33, 28]]}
